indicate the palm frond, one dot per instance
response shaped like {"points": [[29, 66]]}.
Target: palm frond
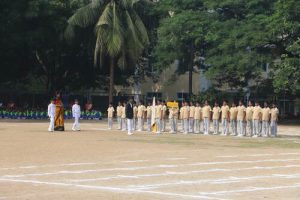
{"points": [[86, 16]]}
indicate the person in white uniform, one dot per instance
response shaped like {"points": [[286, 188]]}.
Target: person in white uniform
{"points": [[76, 115], [110, 115], [51, 115]]}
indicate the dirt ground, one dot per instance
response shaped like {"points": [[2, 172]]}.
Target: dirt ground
{"points": [[99, 164]]}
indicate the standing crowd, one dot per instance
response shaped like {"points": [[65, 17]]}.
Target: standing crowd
{"points": [[235, 120]]}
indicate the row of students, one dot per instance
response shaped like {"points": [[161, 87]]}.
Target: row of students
{"points": [[252, 121]]}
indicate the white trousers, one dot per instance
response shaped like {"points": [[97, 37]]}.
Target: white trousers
{"points": [[123, 124], [250, 127], [119, 123], [163, 125], [141, 124], [134, 123], [197, 126], [233, 124], [191, 125], [110, 122], [76, 125], [186, 125], [173, 125], [158, 125], [256, 127], [241, 127], [148, 124], [130, 126], [225, 126], [206, 125], [216, 126], [51, 125], [265, 128], [273, 127]]}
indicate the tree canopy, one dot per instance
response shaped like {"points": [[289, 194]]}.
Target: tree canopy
{"points": [[233, 41]]}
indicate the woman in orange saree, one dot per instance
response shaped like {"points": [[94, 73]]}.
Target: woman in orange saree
{"points": [[59, 114]]}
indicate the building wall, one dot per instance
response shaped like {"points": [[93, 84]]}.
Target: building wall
{"points": [[169, 84]]}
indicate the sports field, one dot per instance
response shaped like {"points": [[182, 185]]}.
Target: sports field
{"points": [[99, 164]]}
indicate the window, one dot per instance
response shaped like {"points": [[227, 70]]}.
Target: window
{"points": [[182, 96], [157, 95]]}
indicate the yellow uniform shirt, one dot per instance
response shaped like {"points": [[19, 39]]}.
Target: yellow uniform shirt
{"points": [[225, 111], [206, 111], [123, 116], [185, 112], [197, 113], [119, 111], [249, 112], [158, 110], [241, 112], [173, 113], [257, 111], [192, 111], [181, 113], [216, 112], [135, 110], [164, 111], [266, 114], [233, 113], [110, 112], [274, 114], [149, 112], [141, 111]]}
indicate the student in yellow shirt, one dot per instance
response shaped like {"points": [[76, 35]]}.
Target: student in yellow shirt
{"points": [[257, 112], [140, 115], [158, 116], [149, 115], [197, 117], [185, 116], [134, 121], [164, 114], [266, 112], [249, 121], [216, 118], [181, 116], [274, 119], [241, 117], [225, 118], [110, 115], [206, 114], [191, 117], [173, 116], [123, 117], [233, 119], [119, 115]]}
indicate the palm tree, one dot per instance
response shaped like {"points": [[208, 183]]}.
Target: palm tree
{"points": [[120, 32]]}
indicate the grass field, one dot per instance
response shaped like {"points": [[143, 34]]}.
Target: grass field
{"points": [[99, 164]]}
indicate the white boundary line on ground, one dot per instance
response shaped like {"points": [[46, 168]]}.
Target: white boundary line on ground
{"points": [[225, 180], [44, 166], [114, 189], [258, 155], [146, 167], [252, 189], [170, 173], [134, 161]]}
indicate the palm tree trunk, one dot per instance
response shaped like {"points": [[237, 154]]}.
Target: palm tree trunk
{"points": [[111, 81]]}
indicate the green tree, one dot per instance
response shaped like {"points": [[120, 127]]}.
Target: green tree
{"points": [[180, 35], [121, 35]]}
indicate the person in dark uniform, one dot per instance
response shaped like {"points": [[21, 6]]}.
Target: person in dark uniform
{"points": [[129, 116]]}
